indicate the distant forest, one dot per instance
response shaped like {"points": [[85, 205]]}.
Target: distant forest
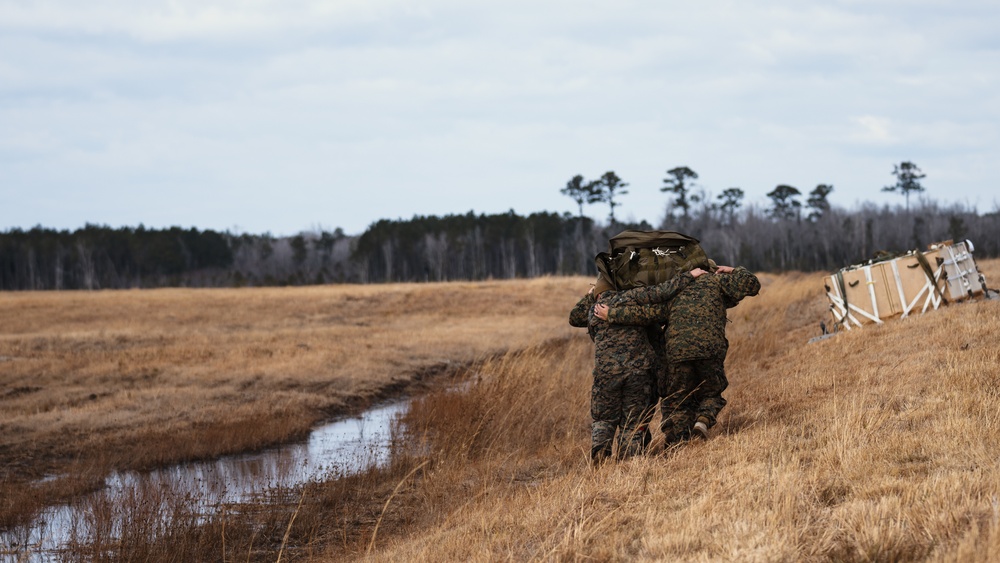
{"points": [[477, 247]]}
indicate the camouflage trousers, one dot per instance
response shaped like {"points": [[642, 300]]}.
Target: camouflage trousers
{"points": [[621, 403], [692, 391]]}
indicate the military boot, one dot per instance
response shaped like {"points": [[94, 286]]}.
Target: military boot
{"points": [[700, 429]]}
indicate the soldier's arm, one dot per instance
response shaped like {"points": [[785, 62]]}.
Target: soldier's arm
{"points": [[638, 314], [663, 292], [579, 314], [738, 284]]}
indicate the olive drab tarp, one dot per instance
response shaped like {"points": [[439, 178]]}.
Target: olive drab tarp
{"points": [[643, 258], [914, 282]]}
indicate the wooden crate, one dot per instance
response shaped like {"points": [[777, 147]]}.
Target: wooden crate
{"points": [[912, 283]]}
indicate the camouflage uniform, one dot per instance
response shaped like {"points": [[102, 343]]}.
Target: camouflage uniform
{"points": [[579, 316], [696, 346], [624, 395], [657, 338]]}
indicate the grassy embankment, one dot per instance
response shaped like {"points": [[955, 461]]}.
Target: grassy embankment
{"points": [[94, 381], [877, 444], [881, 444]]}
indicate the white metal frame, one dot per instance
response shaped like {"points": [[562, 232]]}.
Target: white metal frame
{"points": [[962, 273], [845, 315]]}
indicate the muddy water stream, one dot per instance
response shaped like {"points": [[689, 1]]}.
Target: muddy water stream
{"points": [[335, 449]]}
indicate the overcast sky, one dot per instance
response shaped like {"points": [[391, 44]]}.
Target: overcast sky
{"points": [[292, 115]]}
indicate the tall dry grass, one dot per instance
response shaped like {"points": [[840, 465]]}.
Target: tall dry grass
{"points": [[878, 444], [96, 381]]}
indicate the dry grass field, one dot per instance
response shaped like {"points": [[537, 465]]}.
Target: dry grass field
{"points": [[879, 444], [91, 381]]}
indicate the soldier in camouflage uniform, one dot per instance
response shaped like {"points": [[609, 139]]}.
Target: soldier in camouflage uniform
{"points": [[623, 394], [696, 347]]}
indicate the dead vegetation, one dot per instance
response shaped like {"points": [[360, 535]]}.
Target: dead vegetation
{"points": [[94, 381], [876, 445], [879, 444]]}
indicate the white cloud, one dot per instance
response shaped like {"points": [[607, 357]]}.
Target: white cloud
{"points": [[492, 105], [874, 129], [180, 19]]}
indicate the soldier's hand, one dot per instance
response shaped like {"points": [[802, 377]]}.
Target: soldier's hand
{"points": [[697, 272], [601, 311], [725, 269]]}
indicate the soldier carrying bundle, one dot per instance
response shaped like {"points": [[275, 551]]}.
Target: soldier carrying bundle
{"points": [[651, 287], [645, 258]]}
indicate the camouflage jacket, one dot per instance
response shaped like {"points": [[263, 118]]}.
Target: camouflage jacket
{"points": [[696, 318], [579, 316], [621, 348]]}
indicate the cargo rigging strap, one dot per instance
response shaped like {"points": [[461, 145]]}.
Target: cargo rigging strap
{"points": [[843, 295], [922, 260]]}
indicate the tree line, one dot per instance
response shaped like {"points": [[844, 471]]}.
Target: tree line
{"points": [[100, 257], [467, 247], [789, 234], [688, 196]]}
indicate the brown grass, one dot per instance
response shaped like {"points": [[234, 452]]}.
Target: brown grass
{"points": [[879, 444], [91, 381], [875, 445]]}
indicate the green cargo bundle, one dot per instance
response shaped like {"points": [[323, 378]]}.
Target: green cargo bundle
{"points": [[644, 258]]}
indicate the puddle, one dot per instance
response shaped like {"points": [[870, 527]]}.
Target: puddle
{"points": [[335, 449]]}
